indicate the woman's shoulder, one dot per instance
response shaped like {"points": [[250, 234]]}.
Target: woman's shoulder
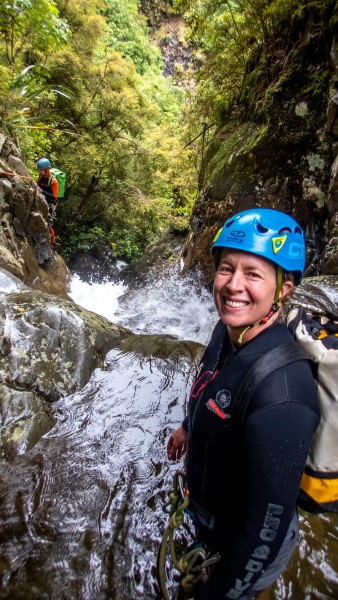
{"points": [[292, 384]]}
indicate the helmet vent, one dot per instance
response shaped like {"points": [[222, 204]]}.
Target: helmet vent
{"points": [[229, 223], [298, 230], [261, 228], [284, 230]]}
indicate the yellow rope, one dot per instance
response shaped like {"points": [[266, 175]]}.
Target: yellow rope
{"points": [[194, 565], [178, 506]]}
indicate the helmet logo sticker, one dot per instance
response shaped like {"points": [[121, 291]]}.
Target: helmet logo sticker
{"points": [[239, 234], [296, 250], [278, 243]]}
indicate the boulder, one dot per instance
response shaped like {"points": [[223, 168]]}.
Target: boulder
{"points": [[49, 348], [160, 257], [25, 418]]}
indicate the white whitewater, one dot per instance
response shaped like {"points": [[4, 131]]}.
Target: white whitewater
{"points": [[174, 305]]}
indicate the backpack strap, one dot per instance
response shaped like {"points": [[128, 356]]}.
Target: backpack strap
{"points": [[276, 358]]}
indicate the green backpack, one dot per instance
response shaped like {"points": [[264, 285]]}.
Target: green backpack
{"points": [[60, 176]]}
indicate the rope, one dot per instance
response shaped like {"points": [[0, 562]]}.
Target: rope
{"points": [[193, 566], [2, 172], [178, 505]]}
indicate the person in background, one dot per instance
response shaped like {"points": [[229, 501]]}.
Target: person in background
{"points": [[47, 184], [243, 480]]}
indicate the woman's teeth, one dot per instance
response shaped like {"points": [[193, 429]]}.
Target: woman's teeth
{"points": [[234, 304]]}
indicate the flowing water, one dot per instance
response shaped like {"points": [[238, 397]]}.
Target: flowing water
{"points": [[82, 513], [86, 511], [170, 305]]}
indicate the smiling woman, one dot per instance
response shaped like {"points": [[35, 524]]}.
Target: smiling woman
{"points": [[262, 254], [245, 290], [252, 528]]}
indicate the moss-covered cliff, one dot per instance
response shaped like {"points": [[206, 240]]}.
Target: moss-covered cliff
{"points": [[277, 146]]}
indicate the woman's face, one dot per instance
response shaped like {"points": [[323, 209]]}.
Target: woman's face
{"points": [[244, 288]]}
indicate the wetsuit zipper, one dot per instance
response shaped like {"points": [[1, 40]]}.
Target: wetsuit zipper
{"points": [[203, 392]]}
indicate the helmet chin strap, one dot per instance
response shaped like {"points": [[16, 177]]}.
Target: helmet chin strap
{"points": [[274, 308]]}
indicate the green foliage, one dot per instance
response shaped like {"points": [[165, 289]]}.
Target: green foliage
{"points": [[228, 32], [156, 10], [117, 139], [29, 27], [81, 238], [129, 225], [132, 143], [135, 224], [253, 50], [128, 33], [334, 24], [26, 100]]}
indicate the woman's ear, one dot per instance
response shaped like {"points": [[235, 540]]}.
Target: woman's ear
{"points": [[286, 289]]}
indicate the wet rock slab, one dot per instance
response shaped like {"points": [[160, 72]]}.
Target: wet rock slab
{"points": [[49, 348]]}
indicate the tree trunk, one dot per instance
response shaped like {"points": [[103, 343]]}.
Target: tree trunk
{"points": [[90, 191]]}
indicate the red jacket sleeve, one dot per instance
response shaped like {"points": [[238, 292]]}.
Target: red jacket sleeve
{"points": [[54, 187]]}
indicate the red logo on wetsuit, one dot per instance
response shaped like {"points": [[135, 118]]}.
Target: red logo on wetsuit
{"points": [[220, 403]]}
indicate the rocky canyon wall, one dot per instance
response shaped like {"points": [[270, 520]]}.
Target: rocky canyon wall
{"points": [[277, 147], [25, 248]]}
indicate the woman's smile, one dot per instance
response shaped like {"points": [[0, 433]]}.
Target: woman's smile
{"points": [[235, 303]]}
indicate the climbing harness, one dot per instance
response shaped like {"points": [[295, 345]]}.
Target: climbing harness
{"points": [[196, 565]]}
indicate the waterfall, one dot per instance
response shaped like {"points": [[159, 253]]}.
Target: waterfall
{"points": [[172, 305]]}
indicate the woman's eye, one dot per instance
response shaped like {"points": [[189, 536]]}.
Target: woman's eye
{"points": [[254, 275], [224, 269]]}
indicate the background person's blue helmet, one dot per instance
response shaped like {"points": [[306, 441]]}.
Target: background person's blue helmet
{"points": [[43, 163], [268, 233]]}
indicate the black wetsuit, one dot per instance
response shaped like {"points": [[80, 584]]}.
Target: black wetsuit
{"points": [[246, 478]]}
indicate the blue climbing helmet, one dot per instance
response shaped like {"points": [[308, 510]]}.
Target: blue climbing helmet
{"points": [[265, 232], [43, 163]]}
